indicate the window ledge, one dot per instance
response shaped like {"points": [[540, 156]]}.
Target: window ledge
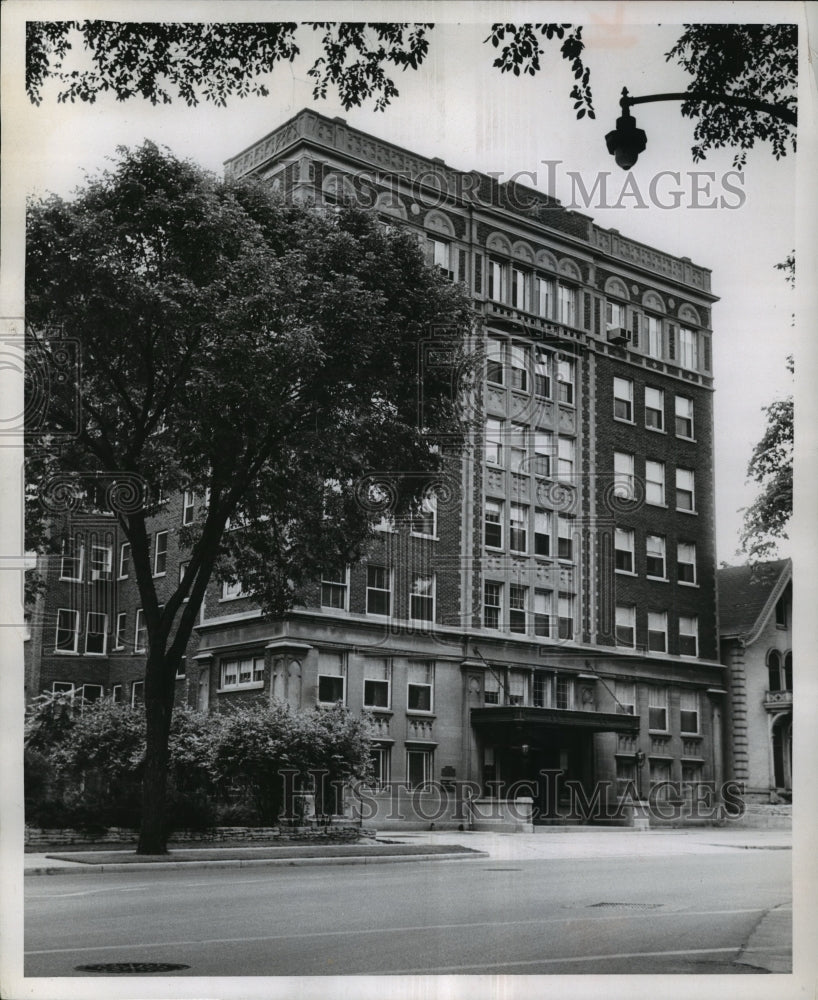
{"points": [[625, 572], [421, 534], [377, 710], [653, 503], [657, 579], [420, 712], [684, 437], [624, 420], [66, 652], [687, 583], [255, 686], [655, 430], [684, 510]]}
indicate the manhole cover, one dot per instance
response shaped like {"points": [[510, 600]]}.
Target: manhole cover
{"points": [[630, 906], [132, 968]]}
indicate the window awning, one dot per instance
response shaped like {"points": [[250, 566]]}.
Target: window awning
{"points": [[513, 718]]}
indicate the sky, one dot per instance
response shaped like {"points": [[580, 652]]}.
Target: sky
{"points": [[461, 109]]}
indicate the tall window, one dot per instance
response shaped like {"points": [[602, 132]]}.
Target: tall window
{"points": [[625, 692], [71, 560], [623, 399], [188, 506], [124, 560], [565, 537], [545, 297], [101, 562], [684, 417], [424, 517], [494, 441], [121, 628], [654, 408], [516, 607], [774, 671], [623, 475], [567, 305], [137, 693], [381, 757], [626, 625], [492, 604], [335, 589], [96, 629], [542, 532], [657, 631], [491, 688], [655, 548], [566, 616], [422, 597], [519, 367], [623, 550], [518, 528], [518, 445], [160, 553], [542, 612], [494, 523], [540, 688], [420, 687], [686, 562], [496, 280], [657, 709], [688, 348], [614, 315], [542, 374], [685, 490], [418, 767], [564, 693], [140, 638], [565, 457], [655, 482], [543, 450], [378, 590], [565, 380], [495, 356], [653, 333], [441, 255], [688, 635], [376, 683], [68, 627], [519, 288], [689, 711]]}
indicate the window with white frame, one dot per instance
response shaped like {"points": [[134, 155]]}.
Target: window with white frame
{"points": [[494, 524], [615, 315], [71, 559], [542, 373], [519, 367], [540, 689], [684, 417], [653, 336], [232, 590], [623, 550], [626, 625], [441, 255], [543, 450], [381, 758], [241, 672], [376, 683], [689, 711], [518, 447], [121, 630], [517, 527], [63, 687], [495, 358], [140, 636], [91, 692], [623, 475], [655, 482], [96, 633], [567, 304], [496, 280], [657, 631], [160, 553], [419, 767], [517, 687], [565, 457], [492, 604], [542, 532], [68, 629], [545, 297], [685, 489], [116, 694], [517, 598], [331, 687], [420, 687], [655, 556], [491, 688], [565, 380], [623, 399], [424, 517], [565, 536], [519, 288], [688, 348], [494, 441], [542, 612], [625, 693], [654, 408], [566, 616], [422, 597], [101, 562], [686, 562], [137, 693], [124, 560], [688, 635], [378, 590], [564, 693], [657, 709], [188, 506], [335, 588]]}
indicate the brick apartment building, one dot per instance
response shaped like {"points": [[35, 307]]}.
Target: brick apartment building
{"points": [[553, 605]]}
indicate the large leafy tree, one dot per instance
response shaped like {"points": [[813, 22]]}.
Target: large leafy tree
{"points": [[264, 355], [742, 90]]}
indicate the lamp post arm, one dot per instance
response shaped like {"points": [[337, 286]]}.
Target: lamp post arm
{"points": [[785, 114]]}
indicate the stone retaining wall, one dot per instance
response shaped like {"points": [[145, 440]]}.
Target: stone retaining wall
{"points": [[343, 832]]}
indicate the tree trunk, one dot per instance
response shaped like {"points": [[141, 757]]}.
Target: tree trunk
{"points": [[153, 832]]}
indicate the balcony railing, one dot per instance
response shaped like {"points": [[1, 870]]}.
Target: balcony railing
{"points": [[776, 700]]}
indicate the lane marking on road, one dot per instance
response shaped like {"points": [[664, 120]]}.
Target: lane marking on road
{"points": [[369, 931]]}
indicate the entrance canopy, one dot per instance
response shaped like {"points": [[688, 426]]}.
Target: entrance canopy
{"points": [[515, 721]]}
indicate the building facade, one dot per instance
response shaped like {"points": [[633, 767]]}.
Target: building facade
{"points": [[552, 606]]}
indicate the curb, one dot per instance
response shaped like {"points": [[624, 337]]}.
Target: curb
{"points": [[79, 868], [770, 945]]}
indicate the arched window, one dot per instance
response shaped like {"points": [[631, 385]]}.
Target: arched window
{"points": [[788, 672], [774, 669]]}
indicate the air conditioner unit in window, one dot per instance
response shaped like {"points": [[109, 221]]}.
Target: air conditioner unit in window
{"points": [[618, 335]]}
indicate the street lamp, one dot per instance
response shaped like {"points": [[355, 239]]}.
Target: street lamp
{"points": [[626, 141]]}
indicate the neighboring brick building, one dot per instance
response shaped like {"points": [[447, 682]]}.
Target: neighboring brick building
{"points": [[755, 606], [554, 605]]}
